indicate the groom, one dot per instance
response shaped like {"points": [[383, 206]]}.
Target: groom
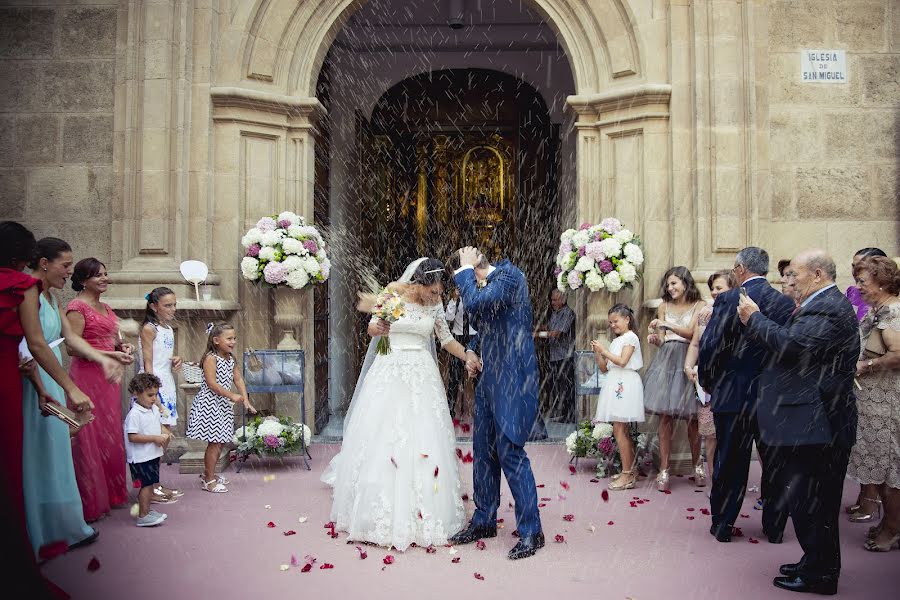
{"points": [[505, 399]]}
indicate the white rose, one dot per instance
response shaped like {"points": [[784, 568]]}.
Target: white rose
{"points": [[634, 254], [297, 279], [611, 247], [613, 281], [567, 235], [593, 279], [292, 246], [250, 268], [267, 253], [627, 271], [623, 236], [271, 238], [254, 236], [580, 238], [585, 263]]}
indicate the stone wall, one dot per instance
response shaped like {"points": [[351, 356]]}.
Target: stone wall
{"points": [[834, 149], [56, 119]]}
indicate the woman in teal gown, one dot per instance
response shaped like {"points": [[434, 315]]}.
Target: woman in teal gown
{"points": [[53, 510]]}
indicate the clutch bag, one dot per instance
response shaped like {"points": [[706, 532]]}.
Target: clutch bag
{"points": [[69, 417], [875, 344]]}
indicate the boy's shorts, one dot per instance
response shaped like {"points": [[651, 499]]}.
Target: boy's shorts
{"points": [[147, 473]]}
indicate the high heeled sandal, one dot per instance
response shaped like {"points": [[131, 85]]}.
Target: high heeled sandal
{"points": [[872, 546], [625, 481], [864, 517], [699, 475], [662, 480]]}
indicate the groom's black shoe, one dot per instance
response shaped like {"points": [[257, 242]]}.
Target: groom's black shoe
{"points": [[472, 533], [826, 586], [791, 569], [527, 546]]}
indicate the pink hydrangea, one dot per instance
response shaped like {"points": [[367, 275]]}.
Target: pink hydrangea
{"points": [[585, 226], [575, 279], [612, 225], [581, 251], [605, 266], [565, 247], [284, 223], [253, 250], [266, 224], [275, 272], [593, 250], [311, 246], [272, 441]]}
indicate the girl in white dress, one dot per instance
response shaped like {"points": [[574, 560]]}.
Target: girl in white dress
{"points": [[622, 396], [396, 480], [156, 355]]}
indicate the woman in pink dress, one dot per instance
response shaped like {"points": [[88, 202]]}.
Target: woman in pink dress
{"points": [[98, 451]]}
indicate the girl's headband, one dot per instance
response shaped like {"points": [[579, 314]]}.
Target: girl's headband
{"points": [[209, 328]]}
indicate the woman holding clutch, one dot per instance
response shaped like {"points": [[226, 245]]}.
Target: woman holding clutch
{"points": [[53, 508]]}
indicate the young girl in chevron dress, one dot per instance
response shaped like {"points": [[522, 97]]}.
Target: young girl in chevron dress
{"points": [[212, 413]]}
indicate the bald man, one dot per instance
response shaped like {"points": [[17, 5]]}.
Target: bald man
{"points": [[807, 413]]}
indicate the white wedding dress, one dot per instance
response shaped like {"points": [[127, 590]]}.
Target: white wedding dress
{"points": [[396, 480]]}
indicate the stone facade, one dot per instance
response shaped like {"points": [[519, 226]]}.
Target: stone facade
{"points": [[147, 132]]}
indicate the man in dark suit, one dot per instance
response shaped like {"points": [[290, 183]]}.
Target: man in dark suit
{"points": [[807, 413], [730, 366]]}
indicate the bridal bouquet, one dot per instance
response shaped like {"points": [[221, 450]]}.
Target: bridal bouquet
{"points": [[605, 256], [271, 435], [388, 307], [283, 249]]}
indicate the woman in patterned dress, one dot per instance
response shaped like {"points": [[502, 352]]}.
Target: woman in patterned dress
{"points": [[98, 451], [875, 459]]}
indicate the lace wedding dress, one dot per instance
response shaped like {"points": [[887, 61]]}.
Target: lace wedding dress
{"points": [[396, 479]]}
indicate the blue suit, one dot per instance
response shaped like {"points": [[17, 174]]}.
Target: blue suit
{"points": [[729, 367], [506, 398]]}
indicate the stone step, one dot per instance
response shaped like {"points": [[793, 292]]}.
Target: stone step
{"points": [[192, 462]]}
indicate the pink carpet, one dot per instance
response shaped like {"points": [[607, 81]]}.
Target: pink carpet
{"points": [[218, 546]]}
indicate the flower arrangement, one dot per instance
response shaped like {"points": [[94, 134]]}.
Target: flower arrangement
{"points": [[273, 436], [283, 249], [594, 439], [389, 307], [605, 256]]}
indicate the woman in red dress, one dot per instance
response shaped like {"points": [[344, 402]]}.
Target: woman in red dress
{"points": [[98, 451], [20, 316]]}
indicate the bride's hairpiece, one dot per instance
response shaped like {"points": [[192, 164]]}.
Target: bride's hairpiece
{"points": [[433, 271]]}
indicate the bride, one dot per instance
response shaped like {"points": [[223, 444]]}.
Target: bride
{"points": [[396, 479]]}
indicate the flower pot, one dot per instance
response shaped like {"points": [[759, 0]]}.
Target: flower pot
{"points": [[289, 315]]}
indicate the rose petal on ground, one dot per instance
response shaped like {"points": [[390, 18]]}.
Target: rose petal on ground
{"points": [[560, 497], [394, 462], [466, 428], [753, 540], [500, 520], [454, 560], [568, 517], [704, 511], [540, 485], [605, 495], [515, 533], [436, 470], [302, 519], [329, 525], [479, 576], [572, 469], [430, 550], [468, 457], [306, 568], [362, 553], [745, 516], [736, 532], [290, 532], [633, 504], [93, 565], [564, 484], [294, 561], [424, 455], [388, 560], [480, 544], [270, 525], [559, 539], [541, 505], [667, 491], [267, 506], [326, 566], [690, 509], [545, 499], [452, 550], [459, 453], [284, 567], [611, 523], [690, 518], [591, 528], [594, 480], [465, 497]]}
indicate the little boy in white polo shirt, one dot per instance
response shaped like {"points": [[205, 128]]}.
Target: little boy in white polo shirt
{"points": [[145, 443]]}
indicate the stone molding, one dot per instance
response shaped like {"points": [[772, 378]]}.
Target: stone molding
{"points": [[303, 109]]}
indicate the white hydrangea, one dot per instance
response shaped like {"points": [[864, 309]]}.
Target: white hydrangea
{"points": [[570, 442], [287, 215], [610, 247], [297, 279], [310, 265], [267, 253], [269, 427], [254, 236], [581, 238], [593, 279], [250, 268], [585, 263], [623, 236], [627, 271], [294, 231], [292, 246], [566, 261], [561, 282], [271, 238], [245, 432], [613, 281], [602, 430], [634, 254], [567, 235], [321, 255], [292, 263]]}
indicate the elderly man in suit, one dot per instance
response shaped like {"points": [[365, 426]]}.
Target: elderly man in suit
{"points": [[807, 412], [730, 366]]}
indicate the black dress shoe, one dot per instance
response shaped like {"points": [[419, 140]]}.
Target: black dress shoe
{"points": [[527, 546], [825, 587], [776, 539], [86, 541], [472, 533], [790, 569], [721, 533]]}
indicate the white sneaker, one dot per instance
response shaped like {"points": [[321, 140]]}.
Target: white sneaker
{"points": [[163, 515], [151, 519]]}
